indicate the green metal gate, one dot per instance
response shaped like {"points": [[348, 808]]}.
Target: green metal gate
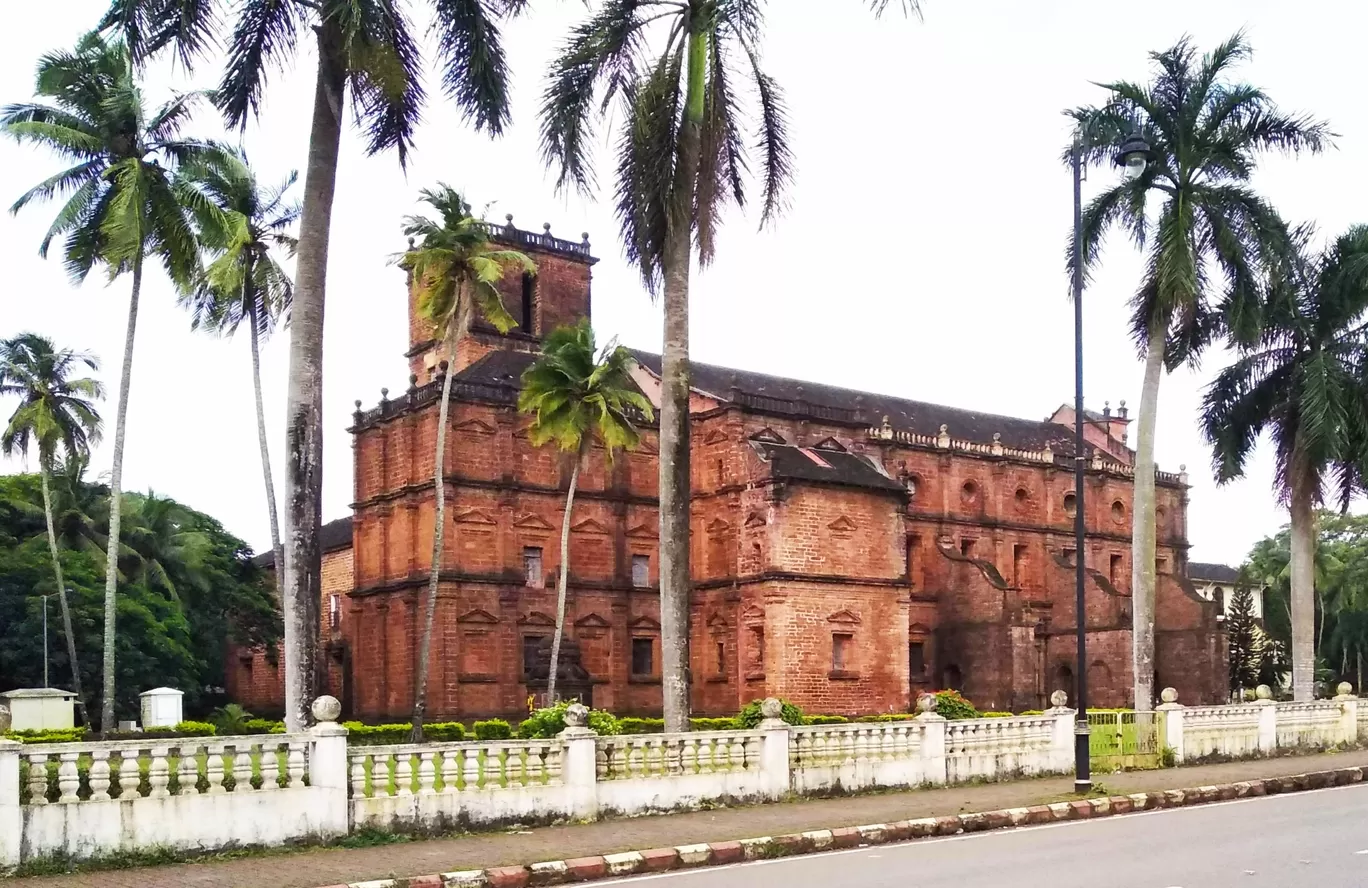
{"points": [[1121, 741]]}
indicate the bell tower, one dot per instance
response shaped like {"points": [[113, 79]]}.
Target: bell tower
{"points": [[557, 294]]}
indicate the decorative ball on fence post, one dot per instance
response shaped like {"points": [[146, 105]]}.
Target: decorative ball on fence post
{"points": [[577, 715], [5, 718], [1059, 699], [1169, 695], [770, 707], [1263, 692], [926, 703], [1344, 691], [326, 709]]}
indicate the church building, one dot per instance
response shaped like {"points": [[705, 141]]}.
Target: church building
{"points": [[850, 550]]}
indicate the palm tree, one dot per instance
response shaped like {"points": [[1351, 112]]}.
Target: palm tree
{"points": [[681, 157], [365, 47], [575, 394], [57, 413], [454, 272], [121, 208], [1208, 245], [1306, 382], [244, 281]]}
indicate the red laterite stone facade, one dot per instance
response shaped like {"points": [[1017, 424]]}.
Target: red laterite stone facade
{"points": [[850, 550]]}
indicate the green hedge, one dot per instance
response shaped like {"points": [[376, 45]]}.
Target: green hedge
{"points": [[887, 717], [375, 735], [263, 726], [548, 722], [997, 715], [629, 724], [713, 724], [827, 720], [750, 716], [493, 729]]}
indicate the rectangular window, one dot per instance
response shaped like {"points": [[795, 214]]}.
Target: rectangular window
{"points": [[840, 651], [643, 656], [721, 658], [967, 547], [335, 612], [914, 561], [757, 649], [1069, 557], [1117, 562], [532, 566], [916, 660], [530, 646], [641, 571], [1018, 566]]}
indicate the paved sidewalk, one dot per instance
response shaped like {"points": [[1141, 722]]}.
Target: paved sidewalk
{"points": [[332, 866]]}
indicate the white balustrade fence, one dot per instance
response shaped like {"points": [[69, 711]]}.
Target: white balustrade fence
{"points": [[83, 799]]}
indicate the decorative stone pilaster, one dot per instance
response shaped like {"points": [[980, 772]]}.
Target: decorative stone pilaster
{"points": [[1268, 719], [774, 751], [1170, 714], [11, 818], [933, 739], [1349, 704], [328, 768], [1062, 741], [577, 762]]}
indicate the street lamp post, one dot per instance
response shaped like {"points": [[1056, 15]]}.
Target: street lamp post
{"points": [[1132, 157]]}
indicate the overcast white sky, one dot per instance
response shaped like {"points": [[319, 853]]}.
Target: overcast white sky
{"points": [[922, 256]]}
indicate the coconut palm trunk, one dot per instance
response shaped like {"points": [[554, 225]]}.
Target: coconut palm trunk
{"points": [[438, 540], [563, 581], [1143, 529], [44, 470], [674, 404], [1303, 540], [277, 550], [107, 722], [304, 409]]}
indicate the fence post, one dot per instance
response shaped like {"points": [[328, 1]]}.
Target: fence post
{"points": [[1348, 712], [774, 750], [933, 740], [579, 770], [1170, 714], [1062, 744], [1268, 719], [328, 768]]}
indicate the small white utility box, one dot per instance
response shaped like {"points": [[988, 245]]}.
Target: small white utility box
{"points": [[161, 708], [40, 709]]}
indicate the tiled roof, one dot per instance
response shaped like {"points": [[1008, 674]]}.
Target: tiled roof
{"points": [[334, 535], [788, 462], [1215, 573]]}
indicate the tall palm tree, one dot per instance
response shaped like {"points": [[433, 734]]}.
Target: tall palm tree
{"points": [[576, 394], [1306, 382], [242, 223], [121, 208], [1208, 245], [454, 271], [364, 47], [679, 73], [57, 414]]}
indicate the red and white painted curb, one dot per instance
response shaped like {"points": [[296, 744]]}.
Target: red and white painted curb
{"points": [[657, 860]]}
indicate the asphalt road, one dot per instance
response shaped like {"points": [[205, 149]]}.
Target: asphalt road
{"points": [[1313, 839]]}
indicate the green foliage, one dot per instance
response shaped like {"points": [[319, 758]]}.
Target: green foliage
{"points": [[1033, 712], [997, 715], [548, 722], [749, 717], [262, 726], [708, 724], [951, 705], [56, 735], [1242, 639], [827, 720], [195, 729], [230, 720], [492, 729], [186, 586], [629, 724], [373, 735]]}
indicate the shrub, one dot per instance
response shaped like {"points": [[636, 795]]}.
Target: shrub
{"points": [[827, 720], [57, 735], [195, 729], [263, 726], [443, 732], [372, 735], [1033, 712], [950, 705], [548, 722], [887, 717], [633, 725], [713, 724], [749, 717], [231, 719], [493, 729]]}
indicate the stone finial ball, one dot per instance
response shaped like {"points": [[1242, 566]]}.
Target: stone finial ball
{"points": [[576, 715], [926, 703], [1344, 689], [1059, 699], [770, 707], [1169, 695], [326, 709], [1263, 692], [5, 719]]}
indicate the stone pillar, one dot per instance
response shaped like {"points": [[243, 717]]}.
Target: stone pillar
{"points": [[1062, 744], [11, 818], [1268, 719], [578, 769], [933, 740], [1170, 714], [328, 769], [1349, 705], [774, 751]]}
